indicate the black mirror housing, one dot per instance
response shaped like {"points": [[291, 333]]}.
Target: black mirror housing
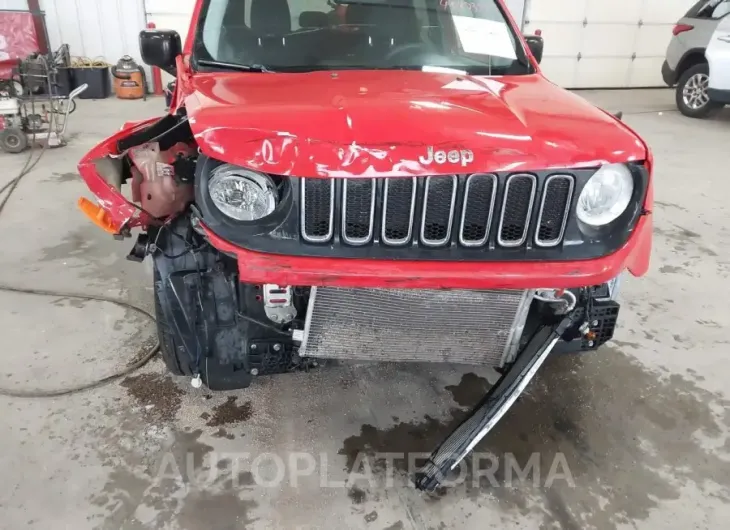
{"points": [[536, 45], [160, 47]]}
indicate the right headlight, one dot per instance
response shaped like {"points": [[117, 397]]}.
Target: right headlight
{"points": [[606, 195], [242, 194]]}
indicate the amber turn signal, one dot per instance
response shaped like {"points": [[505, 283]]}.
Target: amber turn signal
{"points": [[97, 215]]}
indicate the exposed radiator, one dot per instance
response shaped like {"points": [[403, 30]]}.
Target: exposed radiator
{"points": [[454, 326]]}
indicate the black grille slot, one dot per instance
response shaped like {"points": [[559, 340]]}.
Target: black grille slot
{"points": [[399, 201], [519, 196], [438, 210], [358, 210], [428, 213], [317, 209], [476, 216], [554, 210]]}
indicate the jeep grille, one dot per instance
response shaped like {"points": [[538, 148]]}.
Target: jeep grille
{"points": [[469, 211]]}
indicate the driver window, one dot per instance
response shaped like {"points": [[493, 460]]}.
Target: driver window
{"points": [[714, 9], [722, 9]]}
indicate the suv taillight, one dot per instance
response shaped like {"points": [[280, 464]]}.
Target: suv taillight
{"points": [[681, 28]]}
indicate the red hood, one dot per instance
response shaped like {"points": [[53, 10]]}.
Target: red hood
{"points": [[382, 123]]}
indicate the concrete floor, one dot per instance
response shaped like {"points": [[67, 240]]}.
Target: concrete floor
{"points": [[633, 437]]}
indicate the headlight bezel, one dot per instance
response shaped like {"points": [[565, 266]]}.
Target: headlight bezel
{"points": [[627, 220], [223, 224]]}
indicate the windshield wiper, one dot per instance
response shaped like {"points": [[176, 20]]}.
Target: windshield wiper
{"points": [[235, 66]]}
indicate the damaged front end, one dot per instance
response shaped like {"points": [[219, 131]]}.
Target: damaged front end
{"points": [[258, 273]]}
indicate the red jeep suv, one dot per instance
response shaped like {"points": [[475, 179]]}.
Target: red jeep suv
{"points": [[373, 180]]}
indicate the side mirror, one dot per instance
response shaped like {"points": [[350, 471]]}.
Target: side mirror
{"points": [[160, 47], [536, 44]]}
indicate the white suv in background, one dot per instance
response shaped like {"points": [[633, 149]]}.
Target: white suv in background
{"points": [[718, 59], [686, 64]]}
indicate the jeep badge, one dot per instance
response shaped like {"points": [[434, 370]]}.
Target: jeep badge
{"points": [[464, 156]]}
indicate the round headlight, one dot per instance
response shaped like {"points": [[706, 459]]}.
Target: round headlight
{"points": [[606, 195], [242, 194]]}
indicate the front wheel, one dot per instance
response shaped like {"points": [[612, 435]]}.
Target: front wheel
{"points": [[172, 353], [692, 97]]}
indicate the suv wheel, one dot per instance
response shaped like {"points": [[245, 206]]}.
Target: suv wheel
{"points": [[176, 362], [692, 97]]}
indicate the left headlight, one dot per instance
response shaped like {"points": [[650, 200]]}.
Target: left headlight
{"points": [[242, 194], [606, 195]]}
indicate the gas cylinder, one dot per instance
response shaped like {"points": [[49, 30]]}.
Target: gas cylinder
{"points": [[129, 79]]}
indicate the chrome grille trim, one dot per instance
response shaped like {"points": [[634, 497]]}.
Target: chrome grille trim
{"points": [[479, 242], [454, 188], [556, 241], [402, 241], [328, 236], [358, 240], [523, 238]]}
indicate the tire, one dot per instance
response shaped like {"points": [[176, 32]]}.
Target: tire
{"points": [[691, 94], [13, 140], [169, 349]]}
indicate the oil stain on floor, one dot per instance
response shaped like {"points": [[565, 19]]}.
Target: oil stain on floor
{"points": [[627, 441], [158, 395], [60, 178]]}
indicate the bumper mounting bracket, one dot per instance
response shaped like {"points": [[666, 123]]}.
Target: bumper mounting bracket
{"points": [[491, 408]]}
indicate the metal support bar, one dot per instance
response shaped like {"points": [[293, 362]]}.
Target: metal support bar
{"points": [[490, 410]]}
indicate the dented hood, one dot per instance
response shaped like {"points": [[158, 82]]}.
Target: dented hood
{"points": [[391, 123]]}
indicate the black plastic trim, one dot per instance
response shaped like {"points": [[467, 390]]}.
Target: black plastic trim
{"points": [[719, 96], [668, 74], [280, 232], [228, 227]]}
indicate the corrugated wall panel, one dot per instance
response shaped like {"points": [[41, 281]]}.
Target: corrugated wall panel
{"points": [[104, 29], [14, 4]]}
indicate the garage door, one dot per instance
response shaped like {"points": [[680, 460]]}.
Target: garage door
{"points": [[604, 43]]}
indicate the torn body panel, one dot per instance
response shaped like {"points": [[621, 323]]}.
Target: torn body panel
{"points": [[110, 164]]}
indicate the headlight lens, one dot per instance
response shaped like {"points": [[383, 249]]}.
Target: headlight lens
{"points": [[242, 194], [606, 195]]}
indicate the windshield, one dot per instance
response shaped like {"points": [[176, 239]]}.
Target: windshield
{"points": [[469, 36]]}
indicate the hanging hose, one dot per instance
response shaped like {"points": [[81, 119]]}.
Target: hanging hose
{"points": [[144, 357]]}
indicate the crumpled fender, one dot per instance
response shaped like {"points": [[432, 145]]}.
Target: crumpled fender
{"points": [[122, 212]]}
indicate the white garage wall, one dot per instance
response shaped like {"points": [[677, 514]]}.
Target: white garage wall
{"points": [[95, 28], [14, 4], [604, 43]]}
